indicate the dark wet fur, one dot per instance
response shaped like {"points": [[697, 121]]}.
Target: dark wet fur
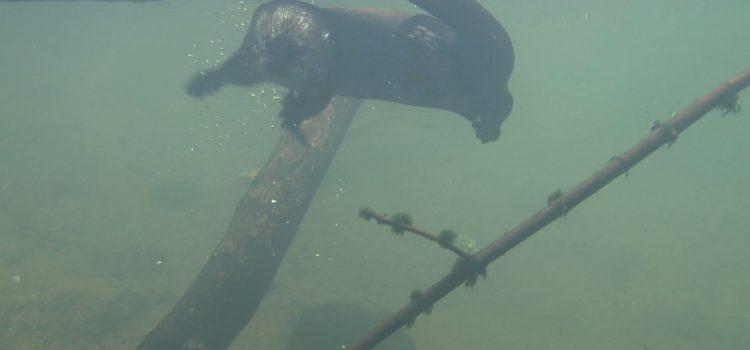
{"points": [[458, 58]]}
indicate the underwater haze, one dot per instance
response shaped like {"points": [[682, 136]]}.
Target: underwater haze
{"points": [[115, 185]]}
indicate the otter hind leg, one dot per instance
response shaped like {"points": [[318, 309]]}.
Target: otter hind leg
{"points": [[426, 34]]}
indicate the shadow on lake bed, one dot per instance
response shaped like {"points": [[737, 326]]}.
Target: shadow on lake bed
{"points": [[332, 325]]}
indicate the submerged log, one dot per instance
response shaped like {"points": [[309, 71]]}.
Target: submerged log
{"points": [[229, 289]]}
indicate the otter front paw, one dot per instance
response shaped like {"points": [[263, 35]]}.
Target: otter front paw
{"points": [[292, 115], [204, 83], [299, 105], [296, 108], [294, 130]]}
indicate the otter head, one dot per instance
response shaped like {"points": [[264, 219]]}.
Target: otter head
{"points": [[292, 43]]}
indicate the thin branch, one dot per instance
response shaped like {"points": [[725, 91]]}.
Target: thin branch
{"points": [[402, 222], [559, 204]]}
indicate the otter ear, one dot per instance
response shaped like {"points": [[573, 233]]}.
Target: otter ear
{"points": [[204, 83]]}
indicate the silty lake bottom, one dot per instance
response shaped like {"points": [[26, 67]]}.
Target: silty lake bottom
{"points": [[115, 186]]}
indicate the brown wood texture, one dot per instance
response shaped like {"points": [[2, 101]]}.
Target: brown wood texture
{"points": [[232, 284]]}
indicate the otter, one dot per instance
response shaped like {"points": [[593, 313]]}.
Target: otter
{"points": [[457, 57]]}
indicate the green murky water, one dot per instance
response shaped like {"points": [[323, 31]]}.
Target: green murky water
{"points": [[115, 186]]}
